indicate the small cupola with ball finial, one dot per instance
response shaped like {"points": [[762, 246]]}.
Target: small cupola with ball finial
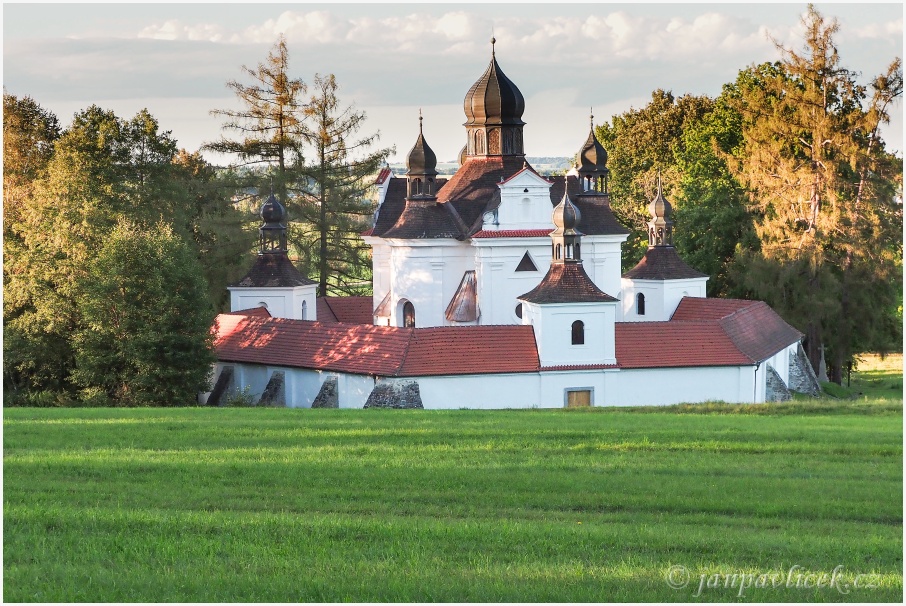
{"points": [[273, 282], [653, 289], [574, 320]]}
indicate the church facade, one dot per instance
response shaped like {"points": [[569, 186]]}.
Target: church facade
{"points": [[500, 288]]}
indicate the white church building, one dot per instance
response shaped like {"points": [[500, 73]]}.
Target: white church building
{"points": [[500, 288]]}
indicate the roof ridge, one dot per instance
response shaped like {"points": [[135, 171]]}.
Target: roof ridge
{"points": [[405, 356]]}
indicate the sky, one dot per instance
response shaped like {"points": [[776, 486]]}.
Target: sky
{"points": [[391, 60]]}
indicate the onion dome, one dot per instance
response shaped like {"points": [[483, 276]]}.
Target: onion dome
{"points": [[421, 159], [592, 156], [592, 163], [660, 227], [494, 99], [272, 233], [272, 211], [566, 217]]}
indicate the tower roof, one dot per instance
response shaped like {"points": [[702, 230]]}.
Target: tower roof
{"points": [[659, 207], [662, 263], [494, 99], [421, 159], [566, 283], [592, 157], [273, 271], [272, 211]]}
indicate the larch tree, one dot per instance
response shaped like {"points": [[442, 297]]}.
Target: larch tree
{"points": [[823, 189], [336, 186], [268, 124]]}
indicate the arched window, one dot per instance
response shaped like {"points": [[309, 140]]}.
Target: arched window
{"points": [[640, 304], [519, 311], [578, 332], [262, 304], [408, 315], [304, 310], [559, 252]]}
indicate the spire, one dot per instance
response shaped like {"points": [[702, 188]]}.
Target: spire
{"points": [[660, 227], [566, 238], [493, 42], [592, 162], [272, 233], [422, 165]]}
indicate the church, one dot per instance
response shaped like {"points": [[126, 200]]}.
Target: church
{"points": [[499, 288]]}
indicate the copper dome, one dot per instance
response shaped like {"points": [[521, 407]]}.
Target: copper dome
{"points": [[421, 159], [494, 99], [272, 211]]}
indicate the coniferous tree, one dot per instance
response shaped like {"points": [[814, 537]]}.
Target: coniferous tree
{"points": [[269, 124], [823, 189], [336, 186]]}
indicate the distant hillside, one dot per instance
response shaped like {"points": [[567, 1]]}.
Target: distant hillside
{"points": [[545, 165]]}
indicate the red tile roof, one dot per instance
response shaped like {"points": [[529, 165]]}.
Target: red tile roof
{"points": [[699, 308], [566, 282], [676, 344], [465, 350], [743, 337], [353, 348], [353, 310], [758, 331], [376, 350], [513, 233], [755, 328], [382, 176]]}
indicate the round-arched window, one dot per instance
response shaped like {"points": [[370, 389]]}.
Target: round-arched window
{"points": [[578, 332], [408, 315]]}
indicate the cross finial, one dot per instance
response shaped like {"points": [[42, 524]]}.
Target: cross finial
{"points": [[591, 118], [493, 41], [419, 120]]}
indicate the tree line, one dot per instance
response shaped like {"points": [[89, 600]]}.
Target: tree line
{"points": [[118, 245], [784, 191]]}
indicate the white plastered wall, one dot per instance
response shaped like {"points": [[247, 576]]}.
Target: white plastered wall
{"points": [[283, 302], [661, 297]]}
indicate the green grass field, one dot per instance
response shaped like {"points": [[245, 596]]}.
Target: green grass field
{"points": [[537, 505]]}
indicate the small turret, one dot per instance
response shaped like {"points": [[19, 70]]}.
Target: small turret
{"points": [[592, 163], [272, 233], [660, 227], [422, 165]]}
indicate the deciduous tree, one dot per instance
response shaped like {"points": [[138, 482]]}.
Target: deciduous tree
{"points": [[823, 188], [144, 334]]}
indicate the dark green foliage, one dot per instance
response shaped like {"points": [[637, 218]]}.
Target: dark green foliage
{"points": [[713, 224], [144, 336], [642, 144], [103, 170]]}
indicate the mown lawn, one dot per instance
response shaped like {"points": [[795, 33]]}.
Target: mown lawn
{"points": [[369, 505]]}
